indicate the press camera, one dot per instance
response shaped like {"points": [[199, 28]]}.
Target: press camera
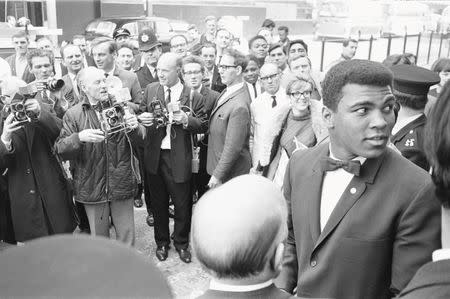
{"points": [[17, 105], [112, 115], [160, 113]]}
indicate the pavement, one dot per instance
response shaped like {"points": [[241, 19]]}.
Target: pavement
{"points": [[186, 280]]}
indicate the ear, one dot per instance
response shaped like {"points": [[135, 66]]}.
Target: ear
{"points": [[279, 254], [328, 117], [239, 70]]}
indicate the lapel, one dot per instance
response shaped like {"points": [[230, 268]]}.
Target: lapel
{"points": [[116, 71], [421, 120], [184, 97], [217, 106], [351, 195], [314, 193]]}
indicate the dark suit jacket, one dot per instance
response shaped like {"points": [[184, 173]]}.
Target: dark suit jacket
{"points": [[68, 93], [216, 81], [384, 227], [210, 97], [270, 292], [181, 146], [130, 81], [409, 141], [27, 75], [145, 76], [229, 132], [432, 280]]}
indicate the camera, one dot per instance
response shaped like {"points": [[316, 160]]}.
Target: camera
{"points": [[17, 105], [54, 84], [113, 111], [160, 114]]}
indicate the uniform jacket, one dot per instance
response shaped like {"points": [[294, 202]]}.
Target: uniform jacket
{"points": [[409, 141], [384, 227], [27, 75], [145, 77], [103, 171], [432, 280], [180, 137], [130, 81], [229, 133], [35, 180], [271, 292]]}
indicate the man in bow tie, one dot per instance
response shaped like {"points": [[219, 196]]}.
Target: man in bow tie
{"points": [[361, 217]]}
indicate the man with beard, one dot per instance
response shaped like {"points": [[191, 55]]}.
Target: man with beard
{"points": [[212, 76], [258, 47], [251, 77], [362, 219]]}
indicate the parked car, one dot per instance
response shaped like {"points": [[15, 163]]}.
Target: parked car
{"points": [[106, 27], [179, 26]]}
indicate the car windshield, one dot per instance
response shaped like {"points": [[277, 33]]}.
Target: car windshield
{"points": [[101, 28]]}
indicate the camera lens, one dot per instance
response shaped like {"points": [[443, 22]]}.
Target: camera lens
{"points": [[19, 107], [110, 113], [113, 121]]}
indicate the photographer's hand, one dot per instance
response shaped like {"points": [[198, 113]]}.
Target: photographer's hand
{"points": [[41, 85], [146, 119], [91, 135], [180, 117], [131, 120], [9, 127], [33, 105]]}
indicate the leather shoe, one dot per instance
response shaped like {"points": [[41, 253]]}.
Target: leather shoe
{"points": [[162, 252], [185, 255], [138, 203], [150, 220]]}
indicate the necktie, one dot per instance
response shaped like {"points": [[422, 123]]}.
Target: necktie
{"points": [[168, 99], [329, 164], [274, 101], [254, 89]]}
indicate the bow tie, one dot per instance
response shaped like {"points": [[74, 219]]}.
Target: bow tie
{"points": [[353, 166]]}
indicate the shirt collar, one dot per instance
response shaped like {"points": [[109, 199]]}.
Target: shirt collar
{"points": [[441, 254], [177, 87], [218, 286], [400, 124], [235, 87], [111, 73], [199, 88], [72, 76], [360, 159]]}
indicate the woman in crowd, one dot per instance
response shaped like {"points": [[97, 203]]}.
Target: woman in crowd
{"points": [[297, 132]]}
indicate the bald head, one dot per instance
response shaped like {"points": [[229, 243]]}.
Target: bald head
{"points": [[237, 227], [167, 68], [93, 83]]}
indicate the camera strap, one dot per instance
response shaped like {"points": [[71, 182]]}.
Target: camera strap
{"points": [[193, 140]]}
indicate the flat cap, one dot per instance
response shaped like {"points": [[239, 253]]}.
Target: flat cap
{"points": [[121, 32], [413, 80]]}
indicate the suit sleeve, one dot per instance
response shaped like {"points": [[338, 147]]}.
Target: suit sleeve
{"points": [[235, 139], [5, 155], [252, 130], [287, 280], [50, 124], [136, 94], [417, 236], [198, 123], [68, 145]]}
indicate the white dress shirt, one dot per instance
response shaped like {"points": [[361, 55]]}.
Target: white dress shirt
{"points": [[266, 122], [252, 90], [229, 91], [334, 184], [400, 124], [21, 64], [218, 286], [175, 93]]}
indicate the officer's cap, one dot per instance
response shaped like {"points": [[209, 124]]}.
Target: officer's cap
{"points": [[121, 32], [413, 80], [147, 39]]}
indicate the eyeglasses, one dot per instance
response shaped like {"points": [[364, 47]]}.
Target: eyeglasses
{"points": [[192, 73], [226, 67], [297, 94], [269, 77], [178, 46]]}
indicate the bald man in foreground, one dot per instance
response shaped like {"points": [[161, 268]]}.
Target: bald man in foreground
{"points": [[241, 248]]}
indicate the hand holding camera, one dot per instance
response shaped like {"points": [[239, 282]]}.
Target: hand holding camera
{"points": [[9, 127], [91, 135], [180, 117], [146, 119], [33, 106], [131, 120]]}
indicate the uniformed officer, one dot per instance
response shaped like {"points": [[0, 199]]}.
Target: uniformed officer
{"points": [[121, 35], [411, 86], [150, 51]]}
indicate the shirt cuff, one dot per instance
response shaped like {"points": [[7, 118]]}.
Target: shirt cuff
{"points": [[8, 144]]}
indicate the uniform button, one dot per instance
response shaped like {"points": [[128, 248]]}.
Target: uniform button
{"points": [[313, 263], [28, 171], [32, 191]]}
